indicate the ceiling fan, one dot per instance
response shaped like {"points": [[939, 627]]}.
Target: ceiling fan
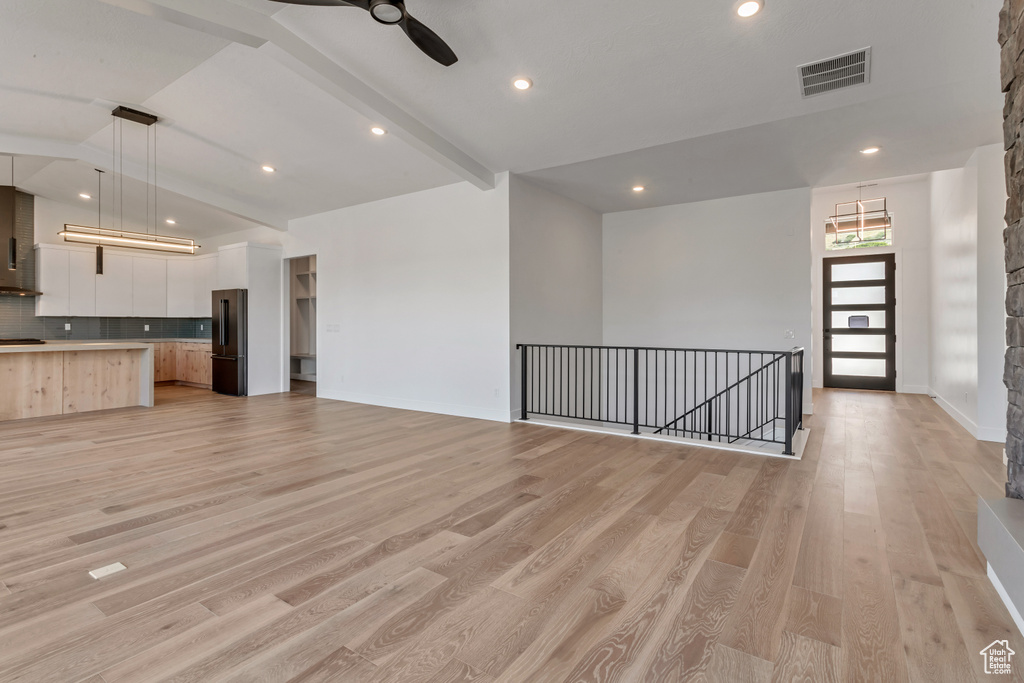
{"points": [[393, 12]]}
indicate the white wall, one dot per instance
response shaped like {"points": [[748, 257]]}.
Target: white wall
{"points": [[954, 310], [413, 300], [991, 293], [909, 201], [729, 274], [555, 270], [969, 284], [51, 216]]}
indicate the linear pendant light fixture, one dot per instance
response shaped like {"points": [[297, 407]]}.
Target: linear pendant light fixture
{"points": [[131, 240], [100, 236]]}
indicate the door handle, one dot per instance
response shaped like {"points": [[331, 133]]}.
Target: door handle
{"points": [[223, 341]]}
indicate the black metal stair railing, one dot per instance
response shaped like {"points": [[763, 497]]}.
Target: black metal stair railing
{"points": [[709, 394]]}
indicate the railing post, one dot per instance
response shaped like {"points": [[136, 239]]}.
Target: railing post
{"points": [[636, 391], [799, 389], [789, 404], [522, 382]]}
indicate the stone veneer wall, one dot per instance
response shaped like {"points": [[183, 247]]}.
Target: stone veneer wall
{"points": [[1011, 41]]}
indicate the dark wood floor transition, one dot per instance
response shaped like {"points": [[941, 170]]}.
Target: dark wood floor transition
{"points": [[289, 538]]}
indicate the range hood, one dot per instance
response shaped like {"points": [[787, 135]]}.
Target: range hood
{"points": [[10, 283]]}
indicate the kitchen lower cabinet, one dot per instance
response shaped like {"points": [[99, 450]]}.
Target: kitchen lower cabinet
{"points": [[194, 365], [165, 362], [184, 362]]}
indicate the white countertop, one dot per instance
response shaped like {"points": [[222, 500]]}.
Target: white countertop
{"points": [[55, 346]]}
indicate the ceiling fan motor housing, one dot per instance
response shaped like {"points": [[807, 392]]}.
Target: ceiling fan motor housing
{"points": [[387, 11]]}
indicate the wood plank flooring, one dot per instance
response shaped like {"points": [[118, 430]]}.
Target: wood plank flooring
{"points": [[289, 538]]}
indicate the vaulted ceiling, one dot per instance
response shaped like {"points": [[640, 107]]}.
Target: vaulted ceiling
{"points": [[683, 97]]}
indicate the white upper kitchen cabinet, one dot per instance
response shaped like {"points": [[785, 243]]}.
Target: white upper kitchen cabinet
{"points": [[149, 287], [114, 286], [82, 282], [206, 282], [143, 286], [181, 287], [52, 280]]}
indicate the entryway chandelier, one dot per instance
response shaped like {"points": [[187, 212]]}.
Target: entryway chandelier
{"points": [[863, 222], [116, 237]]}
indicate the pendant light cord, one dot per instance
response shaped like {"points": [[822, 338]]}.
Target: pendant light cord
{"points": [[120, 125], [156, 186]]}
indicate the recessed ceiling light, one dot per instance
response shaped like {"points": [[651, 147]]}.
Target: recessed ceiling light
{"points": [[639, 188], [83, 195], [749, 8], [870, 150], [377, 130], [269, 169], [522, 84], [171, 221]]}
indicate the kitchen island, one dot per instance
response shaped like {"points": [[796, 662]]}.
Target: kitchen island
{"points": [[61, 377]]}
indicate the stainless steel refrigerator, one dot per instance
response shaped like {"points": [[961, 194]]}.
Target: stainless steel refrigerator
{"points": [[230, 342]]}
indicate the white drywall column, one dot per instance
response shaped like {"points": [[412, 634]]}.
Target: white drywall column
{"points": [[555, 267], [258, 269]]}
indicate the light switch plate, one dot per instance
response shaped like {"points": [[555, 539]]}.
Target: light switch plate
{"points": [[145, 328], [107, 571], [67, 327]]}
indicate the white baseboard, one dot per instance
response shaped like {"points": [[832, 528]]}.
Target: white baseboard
{"points": [[914, 389], [965, 422], [1006, 599], [998, 435], [494, 415]]}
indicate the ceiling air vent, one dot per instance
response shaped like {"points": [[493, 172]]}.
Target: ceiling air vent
{"points": [[843, 71]]}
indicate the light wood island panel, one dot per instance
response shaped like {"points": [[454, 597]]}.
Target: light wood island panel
{"points": [[101, 380], [74, 377], [38, 375]]}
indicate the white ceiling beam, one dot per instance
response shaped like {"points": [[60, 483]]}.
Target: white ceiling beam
{"points": [[215, 18], [248, 27], [56, 149]]}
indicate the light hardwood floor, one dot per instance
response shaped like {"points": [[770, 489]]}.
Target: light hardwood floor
{"points": [[288, 538]]}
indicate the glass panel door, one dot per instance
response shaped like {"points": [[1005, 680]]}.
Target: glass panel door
{"points": [[859, 298]]}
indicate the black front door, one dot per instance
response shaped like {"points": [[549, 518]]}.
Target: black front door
{"points": [[859, 297]]}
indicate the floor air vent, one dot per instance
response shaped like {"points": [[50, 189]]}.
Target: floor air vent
{"points": [[835, 73]]}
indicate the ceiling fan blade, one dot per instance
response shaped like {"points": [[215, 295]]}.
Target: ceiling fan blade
{"points": [[364, 4], [428, 41]]}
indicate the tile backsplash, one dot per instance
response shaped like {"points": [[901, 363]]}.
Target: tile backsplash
{"points": [[18, 321]]}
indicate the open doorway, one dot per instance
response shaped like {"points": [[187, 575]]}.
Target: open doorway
{"points": [[302, 351]]}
